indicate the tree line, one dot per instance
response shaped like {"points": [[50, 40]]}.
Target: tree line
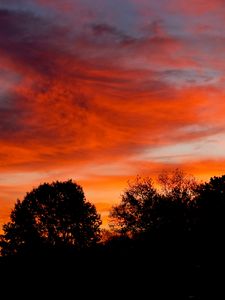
{"points": [[171, 229], [174, 210]]}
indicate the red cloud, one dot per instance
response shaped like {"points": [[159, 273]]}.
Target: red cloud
{"points": [[196, 6], [82, 98]]}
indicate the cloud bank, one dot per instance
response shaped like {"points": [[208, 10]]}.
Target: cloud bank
{"points": [[107, 90]]}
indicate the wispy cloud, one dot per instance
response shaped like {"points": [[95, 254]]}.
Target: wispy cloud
{"points": [[88, 89]]}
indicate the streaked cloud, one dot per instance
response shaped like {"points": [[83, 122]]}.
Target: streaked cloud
{"points": [[101, 91]]}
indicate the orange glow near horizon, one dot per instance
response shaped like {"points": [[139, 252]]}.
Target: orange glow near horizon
{"points": [[102, 91]]}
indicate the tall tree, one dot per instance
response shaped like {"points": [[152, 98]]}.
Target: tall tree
{"points": [[134, 214], [177, 185], [209, 221], [51, 216], [145, 208]]}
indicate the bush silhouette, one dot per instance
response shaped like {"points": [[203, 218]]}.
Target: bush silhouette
{"points": [[52, 216]]}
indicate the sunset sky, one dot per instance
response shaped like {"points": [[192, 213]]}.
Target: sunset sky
{"points": [[102, 90]]}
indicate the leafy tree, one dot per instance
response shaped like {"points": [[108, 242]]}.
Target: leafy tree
{"points": [[177, 185], [175, 209], [209, 219], [145, 208], [134, 214], [52, 216]]}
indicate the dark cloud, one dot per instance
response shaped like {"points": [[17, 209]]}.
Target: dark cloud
{"points": [[29, 41], [92, 88], [128, 83], [104, 31], [12, 119]]}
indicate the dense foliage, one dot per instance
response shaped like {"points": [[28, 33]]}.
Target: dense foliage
{"points": [[52, 216]]}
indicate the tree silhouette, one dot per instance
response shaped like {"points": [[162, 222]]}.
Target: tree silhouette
{"points": [[51, 216], [145, 209], [134, 214], [208, 220], [177, 185]]}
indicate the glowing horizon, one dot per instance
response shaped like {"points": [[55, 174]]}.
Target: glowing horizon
{"points": [[100, 91]]}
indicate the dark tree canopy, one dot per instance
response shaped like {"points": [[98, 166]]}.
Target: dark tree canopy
{"points": [[133, 214], [177, 185], [210, 209], [51, 216], [145, 208]]}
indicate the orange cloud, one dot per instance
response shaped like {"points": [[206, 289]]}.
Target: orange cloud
{"points": [[98, 93]]}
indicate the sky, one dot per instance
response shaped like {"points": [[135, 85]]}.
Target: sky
{"points": [[102, 90]]}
